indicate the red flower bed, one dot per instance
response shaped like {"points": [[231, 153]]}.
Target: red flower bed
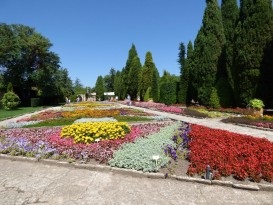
{"points": [[230, 153]]}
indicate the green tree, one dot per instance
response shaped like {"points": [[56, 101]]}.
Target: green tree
{"points": [[266, 83], [183, 84], [118, 84], [207, 51], [109, 80], [155, 86], [253, 35], [149, 77], [130, 72], [64, 83], [189, 68], [99, 88], [168, 88], [27, 62], [133, 77], [214, 101], [230, 16]]}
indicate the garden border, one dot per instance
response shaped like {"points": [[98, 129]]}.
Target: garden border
{"points": [[134, 173]]}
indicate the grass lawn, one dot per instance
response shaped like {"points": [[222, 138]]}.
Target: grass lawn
{"points": [[5, 114]]}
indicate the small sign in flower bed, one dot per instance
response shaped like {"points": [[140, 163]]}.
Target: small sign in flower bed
{"points": [[230, 154]]}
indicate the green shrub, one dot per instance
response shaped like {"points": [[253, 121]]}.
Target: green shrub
{"points": [[10, 100], [214, 101], [34, 102], [168, 93], [256, 104], [147, 95]]}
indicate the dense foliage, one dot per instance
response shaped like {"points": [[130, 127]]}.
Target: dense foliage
{"points": [[27, 62]]}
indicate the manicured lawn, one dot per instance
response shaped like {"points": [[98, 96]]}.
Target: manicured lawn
{"points": [[4, 114]]}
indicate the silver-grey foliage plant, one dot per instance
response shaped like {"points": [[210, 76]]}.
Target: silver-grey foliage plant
{"points": [[139, 155]]}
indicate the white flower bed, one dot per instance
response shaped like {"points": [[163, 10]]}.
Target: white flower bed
{"points": [[102, 119], [21, 124]]}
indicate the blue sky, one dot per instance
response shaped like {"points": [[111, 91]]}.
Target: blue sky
{"points": [[93, 36]]}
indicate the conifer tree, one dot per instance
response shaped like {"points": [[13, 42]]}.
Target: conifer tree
{"points": [[168, 88], [181, 97], [230, 16], [149, 77], [189, 68], [253, 35], [207, 51], [119, 87], [99, 88], [133, 77], [155, 86], [131, 72]]}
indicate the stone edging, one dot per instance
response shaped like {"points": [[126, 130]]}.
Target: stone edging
{"points": [[130, 172], [253, 126]]}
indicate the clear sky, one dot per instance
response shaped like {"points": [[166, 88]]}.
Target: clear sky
{"points": [[93, 36]]}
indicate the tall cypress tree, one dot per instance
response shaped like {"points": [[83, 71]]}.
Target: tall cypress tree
{"points": [[207, 51], [155, 86], [253, 35], [149, 77], [133, 68], [182, 89], [189, 64], [119, 85], [133, 80], [99, 88], [230, 16], [266, 83]]}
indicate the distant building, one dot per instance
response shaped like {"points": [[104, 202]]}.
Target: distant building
{"points": [[109, 96]]}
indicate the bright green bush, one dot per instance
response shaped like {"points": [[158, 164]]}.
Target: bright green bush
{"points": [[256, 104], [138, 155], [10, 100]]}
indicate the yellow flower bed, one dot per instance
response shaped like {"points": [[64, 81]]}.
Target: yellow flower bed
{"points": [[90, 113], [89, 104], [88, 132]]}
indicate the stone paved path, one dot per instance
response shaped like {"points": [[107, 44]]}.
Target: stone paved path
{"points": [[36, 183]]}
